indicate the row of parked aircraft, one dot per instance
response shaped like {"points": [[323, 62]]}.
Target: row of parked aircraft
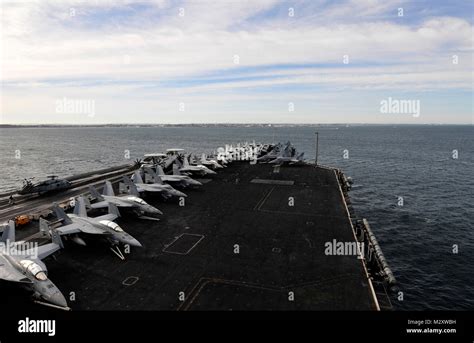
{"points": [[25, 266]]}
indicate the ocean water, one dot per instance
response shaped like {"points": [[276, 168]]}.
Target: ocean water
{"points": [[387, 163]]}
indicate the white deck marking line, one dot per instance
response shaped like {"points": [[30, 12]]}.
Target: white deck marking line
{"points": [[177, 238]]}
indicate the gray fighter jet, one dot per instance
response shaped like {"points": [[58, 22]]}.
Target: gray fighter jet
{"points": [[79, 222], [138, 186], [24, 266], [177, 179], [273, 153], [291, 160], [140, 206], [199, 169], [209, 162]]}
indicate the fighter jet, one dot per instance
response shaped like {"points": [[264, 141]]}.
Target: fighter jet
{"points": [[196, 169], [272, 154], [140, 206], [138, 186], [221, 159], [177, 179], [24, 266], [288, 159], [51, 185], [213, 164], [79, 222]]}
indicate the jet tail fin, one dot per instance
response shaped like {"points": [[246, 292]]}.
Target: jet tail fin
{"points": [[61, 214], [114, 210], [9, 232], [108, 189], [87, 202], [185, 162], [176, 170], [44, 226], [286, 152], [95, 193], [80, 207], [132, 189], [159, 170], [170, 160], [56, 238], [156, 178], [137, 178]]}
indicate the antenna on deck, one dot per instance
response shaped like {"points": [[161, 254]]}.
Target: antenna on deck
{"points": [[317, 148]]}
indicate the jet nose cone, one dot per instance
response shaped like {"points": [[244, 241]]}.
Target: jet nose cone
{"points": [[157, 211], [153, 210], [134, 243], [181, 194], [58, 299]]}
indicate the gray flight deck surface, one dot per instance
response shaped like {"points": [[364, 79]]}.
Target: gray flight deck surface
{"points": [[192, 250]]}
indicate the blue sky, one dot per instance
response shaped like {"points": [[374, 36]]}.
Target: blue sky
{"points": [[197, 61]]}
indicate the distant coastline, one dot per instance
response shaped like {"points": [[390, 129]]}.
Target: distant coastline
{"points": [[6, 126]]}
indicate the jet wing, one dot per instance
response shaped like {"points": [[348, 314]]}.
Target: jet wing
{"points": [[275, 161], [148, 188], [43, 251], [120, 203], [100, 204], [117, 202], [77, 228], [109, 216], [8, 273], [70, 229]]}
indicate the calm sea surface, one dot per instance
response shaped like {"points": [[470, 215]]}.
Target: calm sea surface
{"points": [[386, 162]]}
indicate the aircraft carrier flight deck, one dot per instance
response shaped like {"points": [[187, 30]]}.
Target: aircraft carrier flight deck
{"points": [[251, 238]]}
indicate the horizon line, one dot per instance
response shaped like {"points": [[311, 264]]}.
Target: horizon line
{"points": [[223, 124]]}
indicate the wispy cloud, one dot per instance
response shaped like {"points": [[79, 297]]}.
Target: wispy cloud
{"points": [[165, 52]]}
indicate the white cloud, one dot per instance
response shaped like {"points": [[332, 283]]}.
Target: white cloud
{"points": [[42, 45]]}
